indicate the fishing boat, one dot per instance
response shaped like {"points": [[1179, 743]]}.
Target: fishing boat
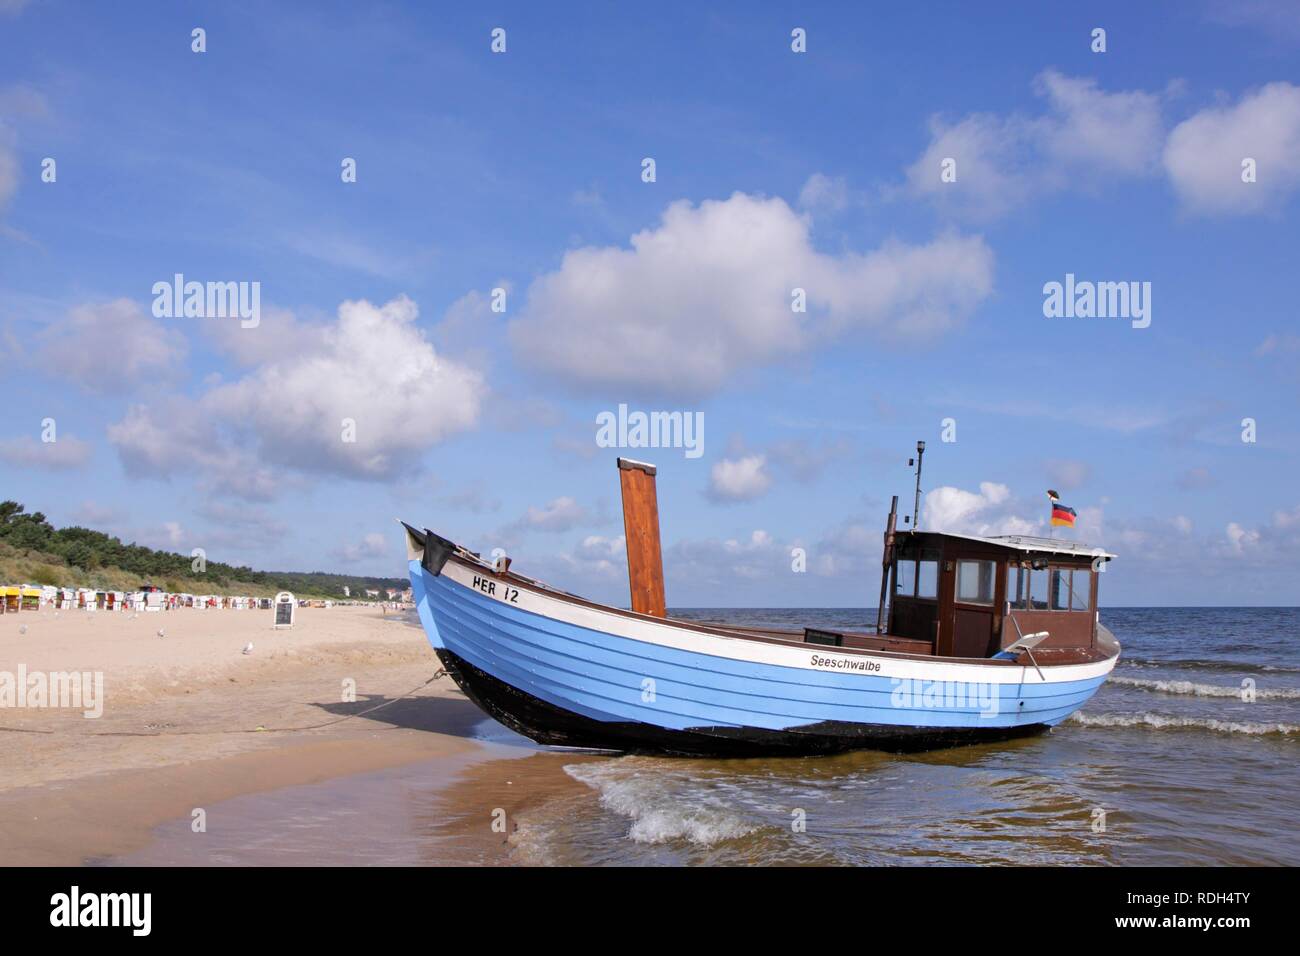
{"points": [[977, 638]]}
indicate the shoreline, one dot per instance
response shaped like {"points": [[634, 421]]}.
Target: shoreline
{"points": [[183, 715]]}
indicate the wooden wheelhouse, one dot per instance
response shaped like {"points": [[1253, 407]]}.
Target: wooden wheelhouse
{"points": [[973, 596]]}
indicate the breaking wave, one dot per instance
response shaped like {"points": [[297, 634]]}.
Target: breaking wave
{"points": [[658, 814], [1185, 664], [1163, 722], [1203, 690]]}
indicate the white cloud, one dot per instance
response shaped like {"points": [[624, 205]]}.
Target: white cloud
{"points": [[1239, 538], [1005, 161], [1091, 130], [1086, 135], [1204, 153], [957, 511], [373, 366], [1275, 544], [707, 294], [994, 510], [111, 347], [739, 479], [599, 555], [596, 563], [66, 454]]}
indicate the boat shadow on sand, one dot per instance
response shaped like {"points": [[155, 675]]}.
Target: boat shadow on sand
{"points": [[454, 716]]}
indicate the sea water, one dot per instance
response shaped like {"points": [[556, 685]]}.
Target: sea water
{"points": [[1187, 755]]}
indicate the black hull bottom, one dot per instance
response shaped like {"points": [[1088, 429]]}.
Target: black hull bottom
{"points": [[548, 724]]}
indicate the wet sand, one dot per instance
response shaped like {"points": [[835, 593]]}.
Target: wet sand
{"points": [[463, 809], [190, 722]]}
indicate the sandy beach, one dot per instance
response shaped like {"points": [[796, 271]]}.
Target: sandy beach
{"points": [[188, 720]]}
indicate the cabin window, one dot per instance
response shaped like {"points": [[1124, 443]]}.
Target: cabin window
{"points": [[1071, 590], [975, 582], [1080, 590], [905, 577], [1037, 589], [1017, 586], [927, 579], [1055, 589], [1059, 589]]}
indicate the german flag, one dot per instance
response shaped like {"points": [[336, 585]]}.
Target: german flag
{"points": [[1062, 517]]}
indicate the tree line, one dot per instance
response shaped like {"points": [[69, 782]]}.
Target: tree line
{"points": [[90, 550]]}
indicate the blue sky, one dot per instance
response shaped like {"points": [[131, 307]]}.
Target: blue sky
{"points": [[522, 171]]}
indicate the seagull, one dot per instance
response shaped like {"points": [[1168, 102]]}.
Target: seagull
{"points": [[22, 628], [161, 633], [248, 648]]}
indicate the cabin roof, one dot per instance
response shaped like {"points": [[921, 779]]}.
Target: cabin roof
{"points": [[1029, 543]]}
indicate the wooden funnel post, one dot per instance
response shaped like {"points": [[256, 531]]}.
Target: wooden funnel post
{"points": [[645, 563], [887, 558]]}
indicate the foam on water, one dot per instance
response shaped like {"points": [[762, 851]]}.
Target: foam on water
{"points": [[658, 814], [1203, 690], [1165, 722]]}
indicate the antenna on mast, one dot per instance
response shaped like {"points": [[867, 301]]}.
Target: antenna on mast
{"points": [[916, 505]]}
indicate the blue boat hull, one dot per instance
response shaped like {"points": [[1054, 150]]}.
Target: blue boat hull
{"points": [[555, 726], [580, 683]]}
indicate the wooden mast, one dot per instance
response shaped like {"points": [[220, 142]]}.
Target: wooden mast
{"points": [[645, 563]]}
